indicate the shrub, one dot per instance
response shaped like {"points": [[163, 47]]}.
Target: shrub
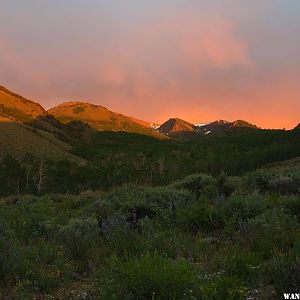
{"points": [[196, 183], [200, 215], [99, 209], [238, 263], [269, 180], [30, 220], [173, 243], [271, 231], [225, 186], [124, 242], [151, 277], [283, 272], [146, 201], [223, 287], [259, 180], [292, 205], [59, 198], [28, 200], [284, 185], [46, 267], [243, 207], [10, 260], [79, 237], [89, 196]]}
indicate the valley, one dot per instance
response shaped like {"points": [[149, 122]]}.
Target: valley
{"points": [[98, 205]]}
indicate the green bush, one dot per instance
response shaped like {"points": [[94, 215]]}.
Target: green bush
{"points": [[173, 243], [199, 215], [223, 287], [225, 186], [273, 231], [292, 205], [151, 277], [280, 181], [10, 260], [197, 184], [46, 267], [284, 184], [243, 207], [236, 262], [79, 237], [124, 242], [283, 272], [34, 226], [158, 201], [259, 180]]}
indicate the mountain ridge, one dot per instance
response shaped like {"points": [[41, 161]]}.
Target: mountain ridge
{"points": [[177, 127], [16, 107], [100, 118]]}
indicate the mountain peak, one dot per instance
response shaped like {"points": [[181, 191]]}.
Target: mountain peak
{"points": [[100, 118], [242, 123], [175, 126], [75, 103]]}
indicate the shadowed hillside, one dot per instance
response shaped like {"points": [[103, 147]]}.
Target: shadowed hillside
{"points": [[18, 139], [225, 127], [178, 128]]}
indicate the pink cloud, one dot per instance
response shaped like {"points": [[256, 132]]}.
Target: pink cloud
{"points": [[193, 63]]}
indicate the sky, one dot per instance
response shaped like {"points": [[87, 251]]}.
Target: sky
{"points": [[199, 60]]}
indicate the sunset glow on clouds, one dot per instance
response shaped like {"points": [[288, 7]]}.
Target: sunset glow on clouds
{"points": [[197, 60]]}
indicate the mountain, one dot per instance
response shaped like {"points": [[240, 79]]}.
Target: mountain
{"points": [[222, 126], [17, 108], [297, 127], [25, 127], [176, 126], [100, 118], [212, 128]]}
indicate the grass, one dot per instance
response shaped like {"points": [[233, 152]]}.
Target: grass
{"points": [[14, 139]]}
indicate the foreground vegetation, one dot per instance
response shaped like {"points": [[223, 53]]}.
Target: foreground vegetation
{"points": [[201, 237]]}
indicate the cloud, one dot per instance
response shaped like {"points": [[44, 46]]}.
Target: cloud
{"points": [[198, 60]]}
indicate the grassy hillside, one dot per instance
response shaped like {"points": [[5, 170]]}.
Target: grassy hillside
{"points": [[18, 108], [100, 118], [287, 165], [18, 139]]}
